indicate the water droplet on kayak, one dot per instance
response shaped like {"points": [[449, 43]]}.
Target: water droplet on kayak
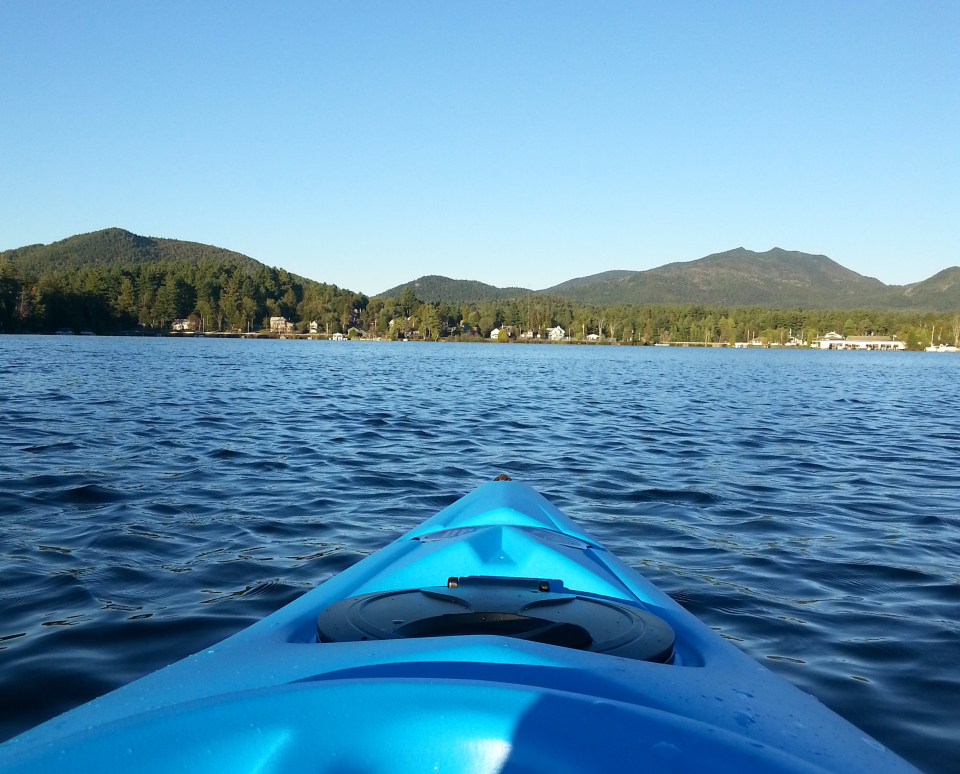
{"points": [[744, 718], [873, 744]]}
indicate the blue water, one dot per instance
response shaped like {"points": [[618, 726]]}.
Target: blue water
{"points": [[157, 495]]}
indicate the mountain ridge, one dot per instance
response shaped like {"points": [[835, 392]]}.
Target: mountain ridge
{"points": [[115, 246], [740, 277], [434, 287]]}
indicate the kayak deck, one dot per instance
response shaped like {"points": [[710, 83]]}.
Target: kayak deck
{"points": [[273, 698]]}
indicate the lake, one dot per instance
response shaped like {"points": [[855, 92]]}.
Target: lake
{"points": [[157, 495]]}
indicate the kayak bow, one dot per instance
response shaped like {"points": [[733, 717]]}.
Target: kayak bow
{"points": [[496, 636]]}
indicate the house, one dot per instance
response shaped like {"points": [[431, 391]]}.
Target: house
{"points": [[183, 324], [529, 335], [828, 338], [338, 337], [314, 327], [593, 337], [495, 333], [556, 334], [280, 325], [754, 342], [877, 343]]}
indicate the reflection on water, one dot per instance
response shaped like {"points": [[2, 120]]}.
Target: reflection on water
{"points": [[158, 495]]}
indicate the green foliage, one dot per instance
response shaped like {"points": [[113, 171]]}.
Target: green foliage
{"points": [[117, 297]]}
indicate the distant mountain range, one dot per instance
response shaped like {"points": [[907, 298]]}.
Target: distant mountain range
{"points": [[776, 278], [740, 277]]}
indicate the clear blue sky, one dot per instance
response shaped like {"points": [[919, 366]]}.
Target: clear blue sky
{"points": [[518, 143]]}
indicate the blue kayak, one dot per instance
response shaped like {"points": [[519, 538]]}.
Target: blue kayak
{"points": [[495, 637]]}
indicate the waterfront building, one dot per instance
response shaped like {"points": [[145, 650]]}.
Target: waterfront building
{"points": [[836, 341], [556, 334]]}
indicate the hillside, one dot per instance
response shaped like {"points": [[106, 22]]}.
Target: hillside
{"points": [[783, 279], [564, 287], [113, 281], [117, 247], [740, 277], [434, 288], [940, 292]]}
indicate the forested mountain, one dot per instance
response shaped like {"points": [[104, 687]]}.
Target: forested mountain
{"points": [[117, 247], [941, 291], [435, 288], [111, 281], [591, 279], [777, 278]]}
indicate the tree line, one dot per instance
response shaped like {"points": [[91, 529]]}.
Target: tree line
{"points": [[223, 295], [216, 295], [649, 323]]}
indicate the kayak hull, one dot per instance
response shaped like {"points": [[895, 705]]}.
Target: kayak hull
{"points": [[271, 698]]}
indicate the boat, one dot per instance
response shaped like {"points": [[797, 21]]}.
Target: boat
{"points": [[497, 636]]}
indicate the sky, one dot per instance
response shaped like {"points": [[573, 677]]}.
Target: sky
{"points": [[517, 143]]}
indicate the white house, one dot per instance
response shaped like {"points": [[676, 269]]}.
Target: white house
{"points": [[183, 325], [338, 337], [593, 337], [314, 327], [556, 334], [835, 341], [280, 325], [495, 333], [833, 336]]}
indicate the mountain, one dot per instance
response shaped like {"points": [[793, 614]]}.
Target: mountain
{"points": [[940, 292], [114, 247], [740, 277], [564, 287], [776, 278], [436, 288]]}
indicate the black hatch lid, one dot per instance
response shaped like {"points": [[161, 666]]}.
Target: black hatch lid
{"points": [[532, 609]]}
